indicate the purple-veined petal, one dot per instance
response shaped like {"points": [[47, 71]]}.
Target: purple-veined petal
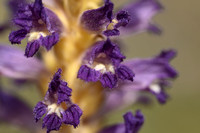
{"points": [[88, 74], [32, 47], [64, 92], [141, 13], [17, 36], [124, 73], [39, 110], [109, 80], [72, 115], [49, 41], [51, 122], [14, 64]]}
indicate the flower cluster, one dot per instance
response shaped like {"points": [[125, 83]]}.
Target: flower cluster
{"points": [[81, 37]]}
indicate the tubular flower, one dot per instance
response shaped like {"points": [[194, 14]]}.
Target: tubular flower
{"points": [[39, 24], [78, 37], [103, 63], [57, 93]]}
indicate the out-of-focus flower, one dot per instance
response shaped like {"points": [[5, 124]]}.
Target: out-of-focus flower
{"points": [[131, 124], [15, 65], [89, 59]]}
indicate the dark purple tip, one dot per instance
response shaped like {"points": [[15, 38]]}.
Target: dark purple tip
{"points": [[39, 110], [50, 41], [72, 115], [125, 73], [88, 74], [15, 37], [109, 80], [32, 48], [51, 122]]}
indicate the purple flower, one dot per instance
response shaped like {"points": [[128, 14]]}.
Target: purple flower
{"points": [[39, 24], [132, 124], [52, 106], [141, 13], [151, 74], [134, 17], [103, 63], [102, 19], [15, 65]]}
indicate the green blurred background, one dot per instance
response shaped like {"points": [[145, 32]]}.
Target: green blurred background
{"points": [[180, 22]]}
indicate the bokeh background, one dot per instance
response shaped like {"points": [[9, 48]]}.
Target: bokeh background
{"points": [[180, 22]]}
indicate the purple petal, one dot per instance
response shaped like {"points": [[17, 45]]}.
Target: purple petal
{"points": [[64, 92], [72, 115], [37, 8], [124, 73], [15, 111], [52, 21], [51, 122], [141, 13], [32, 47], [39, 110], [23, 17], [50, 41], [17, 36], [14, 64], [14, 5], [96, 19], [109, 80], [88, 74]]}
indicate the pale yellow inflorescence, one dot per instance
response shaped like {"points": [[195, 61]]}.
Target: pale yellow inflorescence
{"points": [[67, 54]]}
